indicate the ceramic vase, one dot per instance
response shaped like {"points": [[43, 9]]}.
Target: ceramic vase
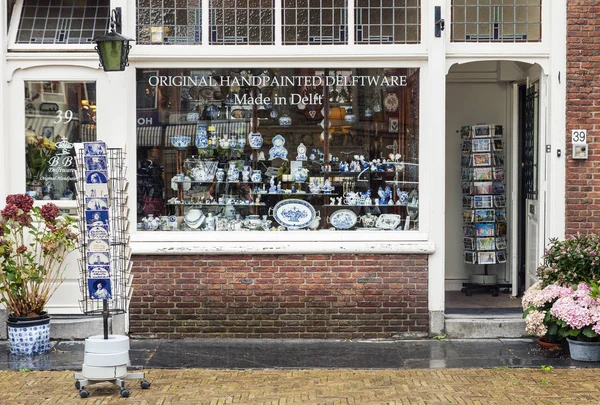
{"points": [[233, 174], [256, 176], [201, 137], [255, 140], [220, 175]]}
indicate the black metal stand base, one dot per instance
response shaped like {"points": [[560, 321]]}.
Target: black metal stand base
{"points": [[494, 289]]}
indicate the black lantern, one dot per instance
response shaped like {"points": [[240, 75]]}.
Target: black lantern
{"points": [[112, 47]]}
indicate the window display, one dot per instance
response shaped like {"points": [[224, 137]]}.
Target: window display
{"points": [[277, 149], [57, 114]]}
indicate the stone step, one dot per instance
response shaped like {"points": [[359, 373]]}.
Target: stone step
{"points": [[483, 328]]}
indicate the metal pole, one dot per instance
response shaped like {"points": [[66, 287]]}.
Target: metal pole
{"points": [[105, 317]]}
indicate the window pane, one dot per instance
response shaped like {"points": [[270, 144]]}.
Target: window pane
{"points": [[496, 21], [390, 22], [315, 22], [223, 149], [57, 114], [169, 22], [49, 22], [241, 22]]}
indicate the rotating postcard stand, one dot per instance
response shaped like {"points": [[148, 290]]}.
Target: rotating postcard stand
{"points": [[484, 204], [105, 263]]}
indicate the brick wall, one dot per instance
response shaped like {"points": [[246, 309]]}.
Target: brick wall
{"points": [[279, 296], [583, 108]]}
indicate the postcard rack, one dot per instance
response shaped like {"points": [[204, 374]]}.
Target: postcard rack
{"points": [[484, 204], [116, 241]]}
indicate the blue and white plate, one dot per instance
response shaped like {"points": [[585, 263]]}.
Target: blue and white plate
{"points": [[343, 219], [294, 213], [388, 221]]}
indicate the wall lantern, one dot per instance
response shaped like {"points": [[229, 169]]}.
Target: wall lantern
{"points": [[112, 47]]}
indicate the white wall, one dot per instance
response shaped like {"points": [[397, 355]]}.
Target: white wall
{"points": [[480, 100]]}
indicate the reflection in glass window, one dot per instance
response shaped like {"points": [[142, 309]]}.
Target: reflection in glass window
{"points": [[169, 22], [242, 22], [388, 21], [277, 149], [496, 20], [315, 22], [57, 114], [62, 21]]}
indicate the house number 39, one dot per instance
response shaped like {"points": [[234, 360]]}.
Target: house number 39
{"points": [[60, 117], [579, 136]]}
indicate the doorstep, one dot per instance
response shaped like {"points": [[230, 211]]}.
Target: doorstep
{"points": [[484, 323]]}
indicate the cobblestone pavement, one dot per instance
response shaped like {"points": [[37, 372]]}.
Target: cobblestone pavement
{"points": [[332, 386]]}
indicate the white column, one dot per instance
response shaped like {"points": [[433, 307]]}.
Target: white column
{"points": [[557, 78], [433, 158], [4, 169]]}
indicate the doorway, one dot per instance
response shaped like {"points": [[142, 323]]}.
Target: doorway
{"points": [[506, 95]]}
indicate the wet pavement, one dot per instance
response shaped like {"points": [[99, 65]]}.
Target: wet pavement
{"points": [[310, 354]]}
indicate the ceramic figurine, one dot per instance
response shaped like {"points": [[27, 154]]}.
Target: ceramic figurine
{"points": [[246, 174], [220, 174], [327, 186], [272, 188], [278, 150], [233, 174], [301, 149]]}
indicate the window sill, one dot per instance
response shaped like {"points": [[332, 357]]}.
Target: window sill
{"points": [[296, 242]]}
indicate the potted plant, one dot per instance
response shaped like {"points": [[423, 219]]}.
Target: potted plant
{"points": [[34, 242], [537, 302], [38, 150]]}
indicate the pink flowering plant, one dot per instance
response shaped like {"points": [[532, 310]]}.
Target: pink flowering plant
{"points": [[34, 242], [537, 303], [577, 313]]}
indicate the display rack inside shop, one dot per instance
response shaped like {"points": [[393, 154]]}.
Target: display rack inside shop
{"points": [[245, 190], [484, 204]]}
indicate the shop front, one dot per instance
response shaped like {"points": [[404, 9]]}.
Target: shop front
{"points": [[301, 186]]}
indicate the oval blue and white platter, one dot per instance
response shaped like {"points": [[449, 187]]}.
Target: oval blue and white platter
{"points": [[294, 213]]}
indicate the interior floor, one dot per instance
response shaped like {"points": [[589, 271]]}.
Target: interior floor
{"points": [[456, 299]]}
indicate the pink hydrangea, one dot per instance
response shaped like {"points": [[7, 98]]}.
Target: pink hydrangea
{"points": [[534, 323], [538, 297]]}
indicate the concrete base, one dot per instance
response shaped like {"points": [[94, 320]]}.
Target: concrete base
{"points": [[75, 327], [436, 323], [473, 328]]}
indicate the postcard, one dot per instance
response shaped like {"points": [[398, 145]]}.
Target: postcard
{"points": [[466, 160], [467, 201], [96, 218], [96, 203], [501, 215], [498, 144], [481, 145], [469, 230], [467, 187], [469, 243], [465, 132], [99, 288], [482, 131], [484, 216], [482, 173], [95, 163], [98, 258], [500, 201], [483, 201], [483, 187], [482, 159], [501, 256], [486, 257], [498, 187], [498, 173], [98, 245], [501, 229], [94, 148], [96, 177], [501, 242], [486, 244], [96, 190], [98, 271], [498, 131], [97, 232], [469, 257], [466, 173], [484, 230], [467, 215]]}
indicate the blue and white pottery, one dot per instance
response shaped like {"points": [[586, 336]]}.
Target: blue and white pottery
{"points": [[192, 117], [273, 114], [212, 111], [301, 149], [201, 137], [241, 141], [300, 175], [255, 140], [278, 150], [285, 121], [233, 174], [350, 118], [256, 176], [368, 113], [220, 174], [27, 337], [377, 108], [402, 197], [294, 213], [233, 142], [343, 219], [246, 174], [388, 221], [181, 141]]}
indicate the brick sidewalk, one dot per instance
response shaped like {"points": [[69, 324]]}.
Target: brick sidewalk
{"points": [[215, 387]]}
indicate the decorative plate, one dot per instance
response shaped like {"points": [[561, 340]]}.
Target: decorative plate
{"points": [[391, 102], [388, 221], [343, 219], [294, 213]]}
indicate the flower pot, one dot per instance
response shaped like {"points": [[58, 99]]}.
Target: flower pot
{"points": [[549, 345], [584, 351], [29, 335]]}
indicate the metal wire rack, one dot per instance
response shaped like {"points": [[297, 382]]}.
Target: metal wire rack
{"points": [[120, 252]]}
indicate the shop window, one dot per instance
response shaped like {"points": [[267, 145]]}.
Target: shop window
{"points": [[62, 21], [319, 22], [57, 115], [277, 149], [496, 20], [388, 21], [238, 22], [169, 22]]}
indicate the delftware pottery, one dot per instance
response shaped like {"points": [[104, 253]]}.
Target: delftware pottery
{"points": [[255, 140], [180, 141], [253, 222], [233, 174], [220, 174], [201, 137], [246, 174], [278, 150], [285, 121], [192, 117], [388, 221], [343, 219], [294, 213], [256, 176], [300, 175], [368, 220]]}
